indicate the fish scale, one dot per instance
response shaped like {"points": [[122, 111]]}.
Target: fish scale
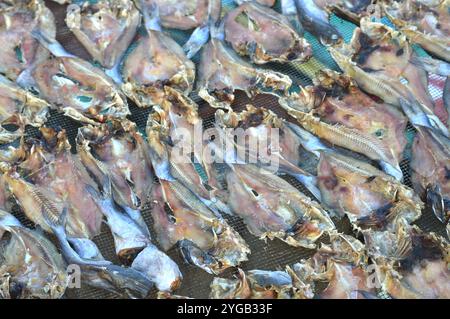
{"points": [[271, 255]]}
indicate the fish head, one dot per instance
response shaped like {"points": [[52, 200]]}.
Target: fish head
{"points": [[222, 72], [21, 50], [154, 62], [116, 150], [105, 28], [249, 27]]}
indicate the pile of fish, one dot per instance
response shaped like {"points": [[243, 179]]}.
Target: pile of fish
{"points": [[350, 126]]}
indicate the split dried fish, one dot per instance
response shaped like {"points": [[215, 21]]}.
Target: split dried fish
{"points": [[49, 177], [379, 60], [258, 284], [19, 108], [430, 168], [273, 208], [222, 72], [266, 140], [336, 110], [410, 264], [369, 197], [31, 266], [20, 50], [315, 19], [426, 23], [264, 35], [204, 239], [106, 28], [117, 151], [343, 266], [155, 62], [185, 15], [86, 93], [172, 129]]}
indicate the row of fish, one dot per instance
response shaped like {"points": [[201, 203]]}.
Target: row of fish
{"points": [[380, 59], [112, 167], [414, 267]]}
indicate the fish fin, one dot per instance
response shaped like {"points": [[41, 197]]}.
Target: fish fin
{"points": [[114, 73], [152, 21], [309, 141], [51, 44], [378, 218], [197, 40], [417, 116], [195, 256], [310, 182], [431, 65], [392, 170], [437, 204]]}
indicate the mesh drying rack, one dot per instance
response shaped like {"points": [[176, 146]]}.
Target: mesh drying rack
{"points": [[270, 255]]}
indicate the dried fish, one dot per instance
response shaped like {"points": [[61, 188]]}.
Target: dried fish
{"points": [[264, 35], [205, 240], [86, 93], [343, 265], [430, 168], [369, 197], [410, 264], [336, 110], [50, 170], [222, 71], [172, 131], [155, 62], [258, 284], [379, 59], [31, 266], [262, 138], [19, 108], [98, 272], [20, 50], [315, 19], [117, 151], [106, 28], [426, 23], [273, 208]]}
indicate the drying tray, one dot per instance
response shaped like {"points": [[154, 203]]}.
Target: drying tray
{"points": [[270, 254]]}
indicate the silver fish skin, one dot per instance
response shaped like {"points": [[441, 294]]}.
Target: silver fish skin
{"points": [[99, 273], [316, 20], [129, 237], [159, 268], [208, 242], [257, 284]]}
